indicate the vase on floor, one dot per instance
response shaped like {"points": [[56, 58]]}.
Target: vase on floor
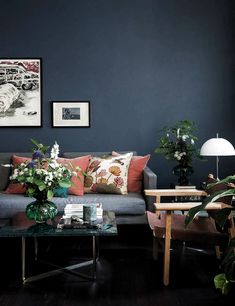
{"points": [[183, 172], [41, 210]]}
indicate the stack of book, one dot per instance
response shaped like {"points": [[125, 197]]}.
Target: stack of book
{"points": [[185, 187], [77, 210]]}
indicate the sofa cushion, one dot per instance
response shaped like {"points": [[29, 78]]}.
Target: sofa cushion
{"points": [[82, 162], [5, 172], [17, 187], [129, 204], [108, 174], [135, 172], [103, 153]]}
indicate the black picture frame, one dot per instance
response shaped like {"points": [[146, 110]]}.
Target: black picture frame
{"points": [[71, 114], [20, 92]]}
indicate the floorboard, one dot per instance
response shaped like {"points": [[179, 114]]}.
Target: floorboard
{"points": [[126, 274]]}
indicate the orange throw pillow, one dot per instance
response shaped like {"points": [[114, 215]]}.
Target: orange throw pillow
{"points": [[77, 187], [135, 171], [17, 187]]}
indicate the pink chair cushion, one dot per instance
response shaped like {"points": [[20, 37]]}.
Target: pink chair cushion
{"points": [[201, 229]]}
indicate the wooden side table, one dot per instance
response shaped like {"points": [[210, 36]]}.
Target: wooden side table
{"points": [[158, 193], [169, 207]]}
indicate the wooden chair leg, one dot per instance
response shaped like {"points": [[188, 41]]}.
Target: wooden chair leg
{"points": [[217, 252], [166, 268]]}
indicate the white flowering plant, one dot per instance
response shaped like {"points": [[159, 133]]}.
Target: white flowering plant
{"points": [[178, 143], [43, 175]]}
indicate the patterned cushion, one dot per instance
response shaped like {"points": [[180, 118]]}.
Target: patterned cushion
{"points": [[108, 174], [135, 172]]}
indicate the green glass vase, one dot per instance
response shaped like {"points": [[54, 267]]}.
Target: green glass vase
{"points": [[41, 210]]}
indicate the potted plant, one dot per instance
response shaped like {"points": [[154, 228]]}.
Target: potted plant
{"points": [[224, 280], [178, 144], [42, 176]]}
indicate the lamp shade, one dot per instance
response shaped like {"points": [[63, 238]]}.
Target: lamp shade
{"points": [[217, 147]]}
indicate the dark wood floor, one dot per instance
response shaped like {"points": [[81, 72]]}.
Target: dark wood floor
{"points": [[127, 275]]}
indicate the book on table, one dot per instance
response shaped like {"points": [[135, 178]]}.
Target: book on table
{"points": [[77, 210], [185, 187]]}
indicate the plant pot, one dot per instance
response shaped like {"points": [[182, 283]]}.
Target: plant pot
{"points": [[183, 172], [41, 211]]}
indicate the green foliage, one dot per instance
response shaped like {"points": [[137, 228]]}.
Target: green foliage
{"points": [[211, 198], [178, 143], [222, 283], [39, 146], [42, 175], [223, 280]]}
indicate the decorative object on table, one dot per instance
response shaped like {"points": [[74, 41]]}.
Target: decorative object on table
{"points": [[193, 198], [89, 213], [178, 144], [20, 91], [42, 176], [71, 114], [77, 210], [221, 190], [217, 147]]}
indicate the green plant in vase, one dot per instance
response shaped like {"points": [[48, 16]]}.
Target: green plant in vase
{"points": [[41, 176], [178, 144]]}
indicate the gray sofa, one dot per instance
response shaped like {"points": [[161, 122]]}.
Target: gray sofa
{"points": [[129, 209]]}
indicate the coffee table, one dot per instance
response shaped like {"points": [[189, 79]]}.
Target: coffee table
{"points": [[23, 228]]}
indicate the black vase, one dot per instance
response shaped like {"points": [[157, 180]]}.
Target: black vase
{"points": [[183, 172]]}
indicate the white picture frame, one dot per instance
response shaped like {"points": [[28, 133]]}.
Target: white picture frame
{"points": [[71, 113]]}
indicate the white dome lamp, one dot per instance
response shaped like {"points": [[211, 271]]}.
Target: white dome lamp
{"points": [[217, 147]]}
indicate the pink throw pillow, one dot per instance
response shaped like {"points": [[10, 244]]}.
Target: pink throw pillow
{"points": [[135, 171], [17, 187], [77, 187]]}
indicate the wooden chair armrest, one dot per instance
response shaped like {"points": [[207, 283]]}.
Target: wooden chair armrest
{"points": [[174, 192], [232, 232], [189, 205]]}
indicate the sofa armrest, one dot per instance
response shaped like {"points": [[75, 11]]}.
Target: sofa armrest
{"points": [[149, 182]]}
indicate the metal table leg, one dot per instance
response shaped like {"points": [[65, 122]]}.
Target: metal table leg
{"points": [[68, 269], [23, 258]]}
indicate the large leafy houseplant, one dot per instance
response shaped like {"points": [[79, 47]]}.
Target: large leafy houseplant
{"points": [[224, 280], [178, 144]]}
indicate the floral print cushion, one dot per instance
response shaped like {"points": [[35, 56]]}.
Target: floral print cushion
{"points": [[108, 174]]}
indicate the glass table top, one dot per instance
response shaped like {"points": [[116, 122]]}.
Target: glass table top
{"points": [[20, 226]]}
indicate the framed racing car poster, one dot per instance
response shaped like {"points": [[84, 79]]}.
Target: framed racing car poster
{"points": [[20, 92]]}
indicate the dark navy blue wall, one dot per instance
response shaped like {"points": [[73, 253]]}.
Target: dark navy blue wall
{"points": [[143, 64]]}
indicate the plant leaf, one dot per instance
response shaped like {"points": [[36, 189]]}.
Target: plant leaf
{"points": [[211, 198], [50, 194], [65, 183], [221, 216], [222, 283]]}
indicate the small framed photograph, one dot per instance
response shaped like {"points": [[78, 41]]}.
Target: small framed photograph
{"points": [[20, 92], [71, 114]]}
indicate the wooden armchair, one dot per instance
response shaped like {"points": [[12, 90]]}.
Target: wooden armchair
{"points": [[169, 225]]}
